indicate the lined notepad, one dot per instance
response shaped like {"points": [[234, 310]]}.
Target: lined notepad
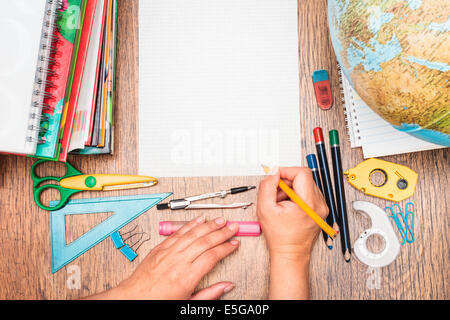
{"points": [[218, 86], [375, 135]]}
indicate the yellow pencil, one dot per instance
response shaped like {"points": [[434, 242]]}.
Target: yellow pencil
{"points": [[302, 204]]}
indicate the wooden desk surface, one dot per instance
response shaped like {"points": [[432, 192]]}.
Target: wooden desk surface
{"points": [[420, 272]]}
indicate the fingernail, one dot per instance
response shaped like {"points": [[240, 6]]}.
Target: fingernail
{"points": [[220, 221], [234, 242], [229, 288], [233, 227], [200, 219], [273, 171]]}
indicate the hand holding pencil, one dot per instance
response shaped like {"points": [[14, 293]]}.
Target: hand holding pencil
{"points": [[286, 226]]}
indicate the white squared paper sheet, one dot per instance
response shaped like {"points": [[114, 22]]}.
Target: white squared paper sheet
{"points": [[218, 87]]}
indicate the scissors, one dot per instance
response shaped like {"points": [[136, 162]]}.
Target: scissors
{"points": [[75, 181]]}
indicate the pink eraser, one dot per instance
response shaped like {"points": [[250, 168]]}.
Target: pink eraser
{"points": [[246, 228]]}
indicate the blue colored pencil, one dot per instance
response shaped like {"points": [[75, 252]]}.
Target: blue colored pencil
{"points": [[312, 164]]}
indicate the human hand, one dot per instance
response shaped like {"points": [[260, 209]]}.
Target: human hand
{"points": [[286, 227], [173, 269]]}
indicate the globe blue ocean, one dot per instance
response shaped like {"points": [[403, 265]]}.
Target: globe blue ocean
{"points": [[425, 134]]}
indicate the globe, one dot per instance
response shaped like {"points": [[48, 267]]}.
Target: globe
{"points": [[396, 55]]}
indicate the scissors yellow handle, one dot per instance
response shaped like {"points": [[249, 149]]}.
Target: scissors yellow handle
{"points": [[98, 182], [75, 181]]}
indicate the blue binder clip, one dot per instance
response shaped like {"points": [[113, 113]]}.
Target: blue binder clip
{"points": [[127, 249], [129, 253], [407, 218], [117, 240]]}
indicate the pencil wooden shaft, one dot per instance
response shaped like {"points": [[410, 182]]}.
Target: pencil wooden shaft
{"points": [[310, 212]]}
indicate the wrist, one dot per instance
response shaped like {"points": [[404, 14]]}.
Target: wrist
{"points": [[290, 254], [289, 274], [291, 251]]}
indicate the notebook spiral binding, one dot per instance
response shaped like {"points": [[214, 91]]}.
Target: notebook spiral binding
{"points": [[44, 72], [342, 98], [347, 100]]}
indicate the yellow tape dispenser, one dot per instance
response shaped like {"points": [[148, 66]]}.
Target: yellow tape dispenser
{"points": [[383, 179]]}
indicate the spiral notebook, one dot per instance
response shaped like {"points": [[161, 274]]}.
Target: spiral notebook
{"points": [[375, 135], [34, 69], [26, 28]]}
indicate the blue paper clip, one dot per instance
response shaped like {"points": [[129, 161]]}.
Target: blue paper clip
{"points": [[406, 231]]}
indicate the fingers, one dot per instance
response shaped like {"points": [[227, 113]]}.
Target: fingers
{"points": [[214, 292], [305, 174], [306, 188], [267, 192], [268, 189], [211, 240], [208, 259], [290, 173], [304, 182], [180, 232], [190, 225], [281, 195], [298, 178], [197, 232]]}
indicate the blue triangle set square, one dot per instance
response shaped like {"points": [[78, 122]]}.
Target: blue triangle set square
{"points": [[124, 209]]}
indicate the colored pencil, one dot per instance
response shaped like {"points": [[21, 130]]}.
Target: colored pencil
{"points": [[332, 218], [312, 164], [307, 209], [340, 194]]}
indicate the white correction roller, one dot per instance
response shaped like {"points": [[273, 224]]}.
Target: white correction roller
{"points": [[382, 227]]}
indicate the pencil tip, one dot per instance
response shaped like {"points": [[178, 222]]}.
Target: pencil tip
{"points": [[266, 168], [347, 256], [330, 243]]}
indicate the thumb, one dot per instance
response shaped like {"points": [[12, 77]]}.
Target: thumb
{"points": [[213, 292]]}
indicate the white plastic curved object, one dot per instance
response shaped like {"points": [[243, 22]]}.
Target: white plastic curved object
{"points": [[381, 226]]}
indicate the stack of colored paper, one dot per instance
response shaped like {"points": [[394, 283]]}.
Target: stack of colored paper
{"points": [[78, 117], [92, 96]]}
